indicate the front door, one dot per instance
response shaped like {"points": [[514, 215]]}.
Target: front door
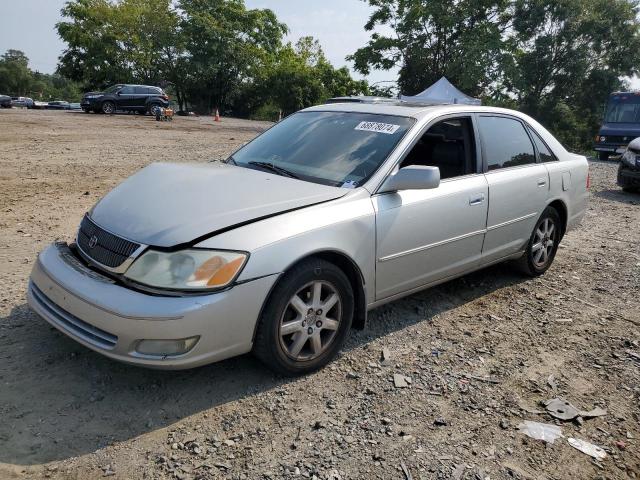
{"points": [[424, 236], [126, 97]]}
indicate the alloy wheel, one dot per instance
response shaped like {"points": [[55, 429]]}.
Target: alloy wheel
{"points": [[545, 240], [310, 321]]}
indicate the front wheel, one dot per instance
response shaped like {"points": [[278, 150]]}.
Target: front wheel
{"points": [[108, 108], [306, 319], [543, 244]]}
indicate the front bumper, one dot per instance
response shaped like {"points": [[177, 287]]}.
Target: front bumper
{"points": [[628, 177], [613, 148], [111, 319], [88, 103]]}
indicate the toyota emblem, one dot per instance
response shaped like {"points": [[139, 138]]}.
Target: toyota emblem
{"points": [[93, 241]]}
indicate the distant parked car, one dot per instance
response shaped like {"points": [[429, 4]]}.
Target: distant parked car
{"points": [[58, 105], [140, 98], [629, 169], [24, 102], [40, 105], [5, 101], [74, 106]]}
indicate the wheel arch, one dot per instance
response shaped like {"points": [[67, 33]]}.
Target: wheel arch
{"points": [[350, 269], [561, 207]]}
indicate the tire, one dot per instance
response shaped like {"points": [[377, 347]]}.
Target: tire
{"points": [[108, 108], [312, 338], [603, 156], [540, 254], [151, 108], [630, 189]]}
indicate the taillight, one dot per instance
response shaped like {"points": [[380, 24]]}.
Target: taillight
{"points": [[165, 97], [588, 180]]}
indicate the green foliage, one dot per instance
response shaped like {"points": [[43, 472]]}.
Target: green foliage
{"points": [[430, 39], [17, 79], [555, 59], [209, 53], [566, 56]]}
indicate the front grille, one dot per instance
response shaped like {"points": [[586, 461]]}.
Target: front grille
{"points": [[618, 139], [109, 250], [73, 324]]}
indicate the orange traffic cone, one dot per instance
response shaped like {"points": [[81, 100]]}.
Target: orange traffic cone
{"points": [[217, 118]]}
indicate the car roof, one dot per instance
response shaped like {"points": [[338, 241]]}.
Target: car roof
{"points": [[405, 109]]}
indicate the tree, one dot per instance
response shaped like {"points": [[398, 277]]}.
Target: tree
{"points": [[299, 76], [16, 78], [461, 40], [115, 42], [566, 56], [223, 42]]}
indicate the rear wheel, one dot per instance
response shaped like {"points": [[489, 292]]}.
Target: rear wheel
{"points": [[108, 108], [543, 244], [306, 319]]}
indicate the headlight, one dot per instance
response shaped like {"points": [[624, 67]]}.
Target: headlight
{"points": [[187, 269], [92, 96], [629, 158]]}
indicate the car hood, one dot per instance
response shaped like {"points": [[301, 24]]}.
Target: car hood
{"points": [[621, 129], [166, 204]]}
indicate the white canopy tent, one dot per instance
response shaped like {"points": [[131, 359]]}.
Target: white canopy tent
{"points": [[442, 92]]}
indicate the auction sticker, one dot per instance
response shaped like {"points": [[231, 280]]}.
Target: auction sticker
{"points": [[387, 128]]}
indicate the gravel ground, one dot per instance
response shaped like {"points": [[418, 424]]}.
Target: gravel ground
{"points": [[434, 388]]}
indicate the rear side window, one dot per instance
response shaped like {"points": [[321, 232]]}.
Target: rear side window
{"points": [[506, 142], [543, 151], [142, 90]]}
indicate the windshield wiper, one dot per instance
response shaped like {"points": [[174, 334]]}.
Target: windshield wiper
{"points": [[274, 168]]}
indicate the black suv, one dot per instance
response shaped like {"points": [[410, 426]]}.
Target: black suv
{"points": [[139, 98]]}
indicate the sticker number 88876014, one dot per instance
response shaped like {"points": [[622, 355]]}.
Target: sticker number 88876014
{"points": [[387, 128]]}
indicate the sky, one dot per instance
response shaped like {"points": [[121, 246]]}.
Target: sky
{"points": [[338, 24]]}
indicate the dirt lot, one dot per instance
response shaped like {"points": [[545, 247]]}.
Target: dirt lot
{"points": [[482, 352]]}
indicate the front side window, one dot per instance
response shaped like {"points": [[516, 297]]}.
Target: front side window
{"points": [[448, 145], [342, 149], [506, 142], [127, 91], [113, 89]]}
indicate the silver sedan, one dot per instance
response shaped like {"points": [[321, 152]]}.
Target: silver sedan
{"points": [[287, 245]]}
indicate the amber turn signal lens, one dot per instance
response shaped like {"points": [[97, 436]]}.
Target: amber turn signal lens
{"points": [[226, 273]]}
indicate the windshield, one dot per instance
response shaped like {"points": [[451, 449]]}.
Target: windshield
{"points": [[113, 89], [623, 108], [333, 148]]}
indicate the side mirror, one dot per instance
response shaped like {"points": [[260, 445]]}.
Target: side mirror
{"points": [[413, 177]]}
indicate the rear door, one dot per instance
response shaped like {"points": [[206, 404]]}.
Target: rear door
{"points": [[518, 185]]}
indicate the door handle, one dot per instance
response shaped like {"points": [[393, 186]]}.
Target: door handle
{"points": [[542, 182], [476, 199]]}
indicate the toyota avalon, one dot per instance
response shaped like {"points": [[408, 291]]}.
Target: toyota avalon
{"points": [[284, 247]]}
